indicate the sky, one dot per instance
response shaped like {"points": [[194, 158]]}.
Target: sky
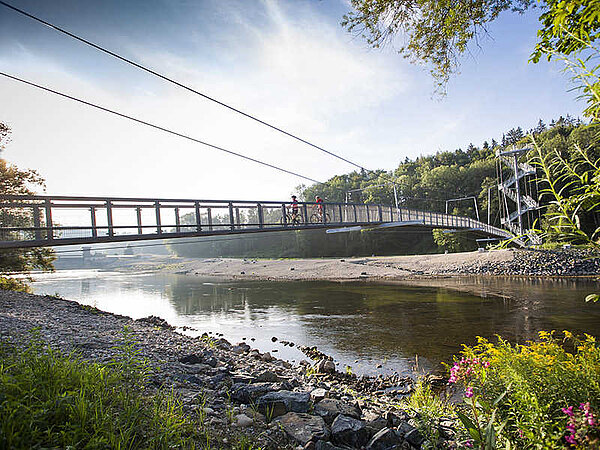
{"points": [[288, 62]]}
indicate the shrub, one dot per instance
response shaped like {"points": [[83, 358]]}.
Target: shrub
{"points": [[12, 284], [526, 389]]}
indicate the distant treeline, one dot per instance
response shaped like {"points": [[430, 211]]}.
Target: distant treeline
{"points": [[424, 183]]}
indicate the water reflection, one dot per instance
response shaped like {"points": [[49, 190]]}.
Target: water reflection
{"points": [[372, 323]]}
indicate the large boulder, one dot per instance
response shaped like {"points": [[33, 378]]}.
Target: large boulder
{"points": [[276, 404], [349, 431], [330, 408], [304, 428]]}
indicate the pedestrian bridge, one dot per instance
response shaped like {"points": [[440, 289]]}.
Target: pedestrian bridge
{"points": [[48, 221]]}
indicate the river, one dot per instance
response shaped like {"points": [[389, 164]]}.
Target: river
{"points": [[372, 328]]}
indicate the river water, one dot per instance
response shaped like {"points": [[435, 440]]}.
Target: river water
{"points": [[373, 328]]}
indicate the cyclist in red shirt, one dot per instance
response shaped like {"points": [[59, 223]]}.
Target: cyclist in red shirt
{"points": [[319, 205], [294, 208]]}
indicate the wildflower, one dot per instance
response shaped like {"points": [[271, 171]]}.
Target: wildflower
{"points": [[469, 392], [469, 444], [568, 411]]}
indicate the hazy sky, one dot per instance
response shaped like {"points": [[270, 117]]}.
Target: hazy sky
{"points": [[288, 62]]}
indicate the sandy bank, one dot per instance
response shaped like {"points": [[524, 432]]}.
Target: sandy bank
{"points": [[397, 268]]}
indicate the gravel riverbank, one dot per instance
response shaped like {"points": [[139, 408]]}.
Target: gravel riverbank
{"points": [[509, 262], [237, 390]]}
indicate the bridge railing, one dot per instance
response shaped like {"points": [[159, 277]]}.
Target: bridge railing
{"points": [[60, 220]]}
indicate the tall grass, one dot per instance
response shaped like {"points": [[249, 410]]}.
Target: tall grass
{"points": [[49, 399]]}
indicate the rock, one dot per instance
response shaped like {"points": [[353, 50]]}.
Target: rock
{"points": [[303, 428], [385, 439], [330, 408], [267, 376], [267, 357], [324, 366], [248, 393], [242, 421], [375, 424], [157, 322], [273, 339], [349, 431], [190, 359], [275, 404], [324, 445], [318, 394], [240, 348], [414, 437]]}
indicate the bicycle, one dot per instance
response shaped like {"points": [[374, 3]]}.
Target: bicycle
{"points": [[318, 218], [292, 219]]}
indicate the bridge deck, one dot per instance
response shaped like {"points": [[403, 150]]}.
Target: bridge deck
{"points": [[43, 221]]}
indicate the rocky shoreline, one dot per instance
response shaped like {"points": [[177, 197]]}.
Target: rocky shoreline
{"points": [[235, 389]]}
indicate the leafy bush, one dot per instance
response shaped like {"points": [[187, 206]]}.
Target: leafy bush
{"points": [[12, 284], [428, 410], [544, 394], [53, 400]]}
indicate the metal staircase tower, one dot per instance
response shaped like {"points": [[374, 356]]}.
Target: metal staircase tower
{"points": [[511, 190]]}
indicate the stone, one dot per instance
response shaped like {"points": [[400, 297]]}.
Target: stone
{"points": [[266, 376], [324, 366], [276, 404], [376, 424], [324, 445], [303, 428], [242, 421], [385, 439], [318, 394], [349, 431], [240, 348], [190, 359], [248, 393], [330, 408], [414, 437], [267, 357]]}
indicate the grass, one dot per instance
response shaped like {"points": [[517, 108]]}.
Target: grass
{"points": [[49, 399]]}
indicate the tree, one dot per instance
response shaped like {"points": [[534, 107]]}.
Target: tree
{"points": [[438, 32], [435, 32], [567, 27], [14, 181]]}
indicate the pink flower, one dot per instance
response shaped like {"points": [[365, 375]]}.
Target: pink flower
{"points": [[469, 392], [570, 439], [568, 411], [469, 444]]}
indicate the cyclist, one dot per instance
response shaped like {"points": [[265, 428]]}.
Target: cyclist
{"points": [[294, 208], [319, 206]]}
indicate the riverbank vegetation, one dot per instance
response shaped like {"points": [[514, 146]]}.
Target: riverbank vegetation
{"points": [[51, 399], [539, 395]]}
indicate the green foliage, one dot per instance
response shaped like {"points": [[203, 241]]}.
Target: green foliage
{"points": [[522, 389], [454, 242], [54, 400], [567, 27], [570, 183], [435, 32], [14, 181], [13, 284], [428, 409]]}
